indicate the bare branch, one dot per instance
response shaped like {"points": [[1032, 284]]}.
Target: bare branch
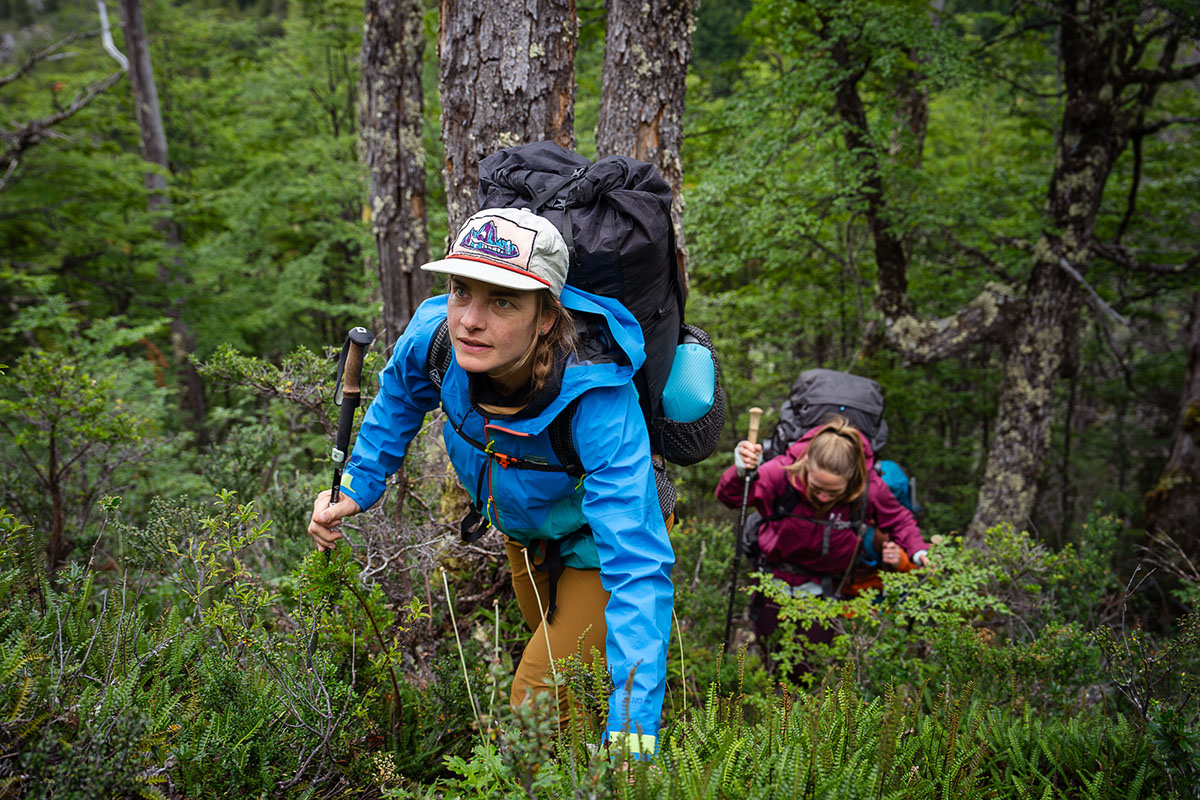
{"points": [[1123, 257], [1135, 184], [1146, 130], [32, 133], [106, 37], [1024, 245], [993, 266], [1094, 299], [42, 55], [1161, 76]]}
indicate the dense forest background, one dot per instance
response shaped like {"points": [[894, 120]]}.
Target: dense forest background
{"points": [[990, 208]]}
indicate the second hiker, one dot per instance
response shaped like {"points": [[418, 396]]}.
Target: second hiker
{"points": [[815, 500]]}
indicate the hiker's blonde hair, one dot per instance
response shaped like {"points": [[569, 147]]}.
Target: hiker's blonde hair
{"points": [[836, 448]]}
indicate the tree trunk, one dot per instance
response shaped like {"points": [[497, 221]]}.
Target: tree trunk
{"points": [[507, 78], [394, 152], [154, 151], [647, 47], [56, 545], [1095, 130], [1173, 506], [1026, 409]]}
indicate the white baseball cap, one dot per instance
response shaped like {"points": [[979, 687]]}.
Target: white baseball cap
{"points": [[510, 247]]}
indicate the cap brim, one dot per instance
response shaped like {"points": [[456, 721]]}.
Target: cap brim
{"points": [[487, 272]]}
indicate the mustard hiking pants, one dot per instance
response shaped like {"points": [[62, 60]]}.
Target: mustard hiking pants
{"points": [[577, 627]]}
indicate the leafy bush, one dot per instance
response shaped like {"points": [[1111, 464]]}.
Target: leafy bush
{"points": [[79, 422], [984, 614]]}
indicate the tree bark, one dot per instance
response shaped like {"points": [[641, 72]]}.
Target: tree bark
{"points": [[393, 149], [1173, 506], [507, 78], [989, 315], [890, 254], [154, 151], [647, 47]]}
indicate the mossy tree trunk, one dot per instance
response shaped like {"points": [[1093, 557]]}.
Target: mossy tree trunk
{"points": [[507, 78], [393, 149], [647, 47]]}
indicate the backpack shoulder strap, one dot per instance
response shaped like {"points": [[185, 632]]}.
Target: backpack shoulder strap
{"points": [[562, 441], [859, 518], [440, 354], [436, 364], [786, 502]]}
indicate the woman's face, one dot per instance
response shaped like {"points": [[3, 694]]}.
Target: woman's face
{"points": [[492, 327], [824, 486]]}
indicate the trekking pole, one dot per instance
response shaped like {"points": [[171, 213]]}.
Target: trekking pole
{"points": [[347, 392], [752, 437]]}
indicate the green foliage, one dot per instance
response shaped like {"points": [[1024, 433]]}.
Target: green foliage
{"points": [[206, 651], [703, 553], [783, 263], [986, 615], [299, 387], [96, 685], [266, 186], [1088, 756], [225, 678], [79, 422], [837, 744]]}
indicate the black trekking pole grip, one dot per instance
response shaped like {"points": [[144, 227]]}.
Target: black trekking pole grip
{"points": [[752, 437], [347, 394]]}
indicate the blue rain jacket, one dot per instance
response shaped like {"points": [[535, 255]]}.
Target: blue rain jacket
{"points": [[617, 497]]}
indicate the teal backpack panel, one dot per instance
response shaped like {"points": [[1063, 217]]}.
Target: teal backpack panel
{"points": [[901, 486]]}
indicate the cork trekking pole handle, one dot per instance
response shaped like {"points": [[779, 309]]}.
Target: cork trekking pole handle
{"points": [[347, 392], [755, 417]]}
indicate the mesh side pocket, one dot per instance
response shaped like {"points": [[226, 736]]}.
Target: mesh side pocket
{"points": [[687, 443], [666, 490]]}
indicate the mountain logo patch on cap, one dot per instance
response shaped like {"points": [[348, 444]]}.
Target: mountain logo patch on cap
{"points": [[487, 239]]}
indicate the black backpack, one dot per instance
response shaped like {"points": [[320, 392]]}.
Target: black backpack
{"points": [[819, 394], [615, 217]]}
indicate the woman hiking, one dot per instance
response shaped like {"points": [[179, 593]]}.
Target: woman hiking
{"points": [[813, 499], [590, 555]]}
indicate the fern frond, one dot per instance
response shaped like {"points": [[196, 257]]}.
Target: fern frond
{"points": [[22, 701], [31, 726]]}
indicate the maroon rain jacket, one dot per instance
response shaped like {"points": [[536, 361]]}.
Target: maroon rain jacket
{"points": [[792, 546]]}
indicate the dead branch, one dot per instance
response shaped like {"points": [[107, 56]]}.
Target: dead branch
{"points": [[41, 55], [16, 142], [1155, 127], [992, 265], [1123, 256], [1094, 299]]}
